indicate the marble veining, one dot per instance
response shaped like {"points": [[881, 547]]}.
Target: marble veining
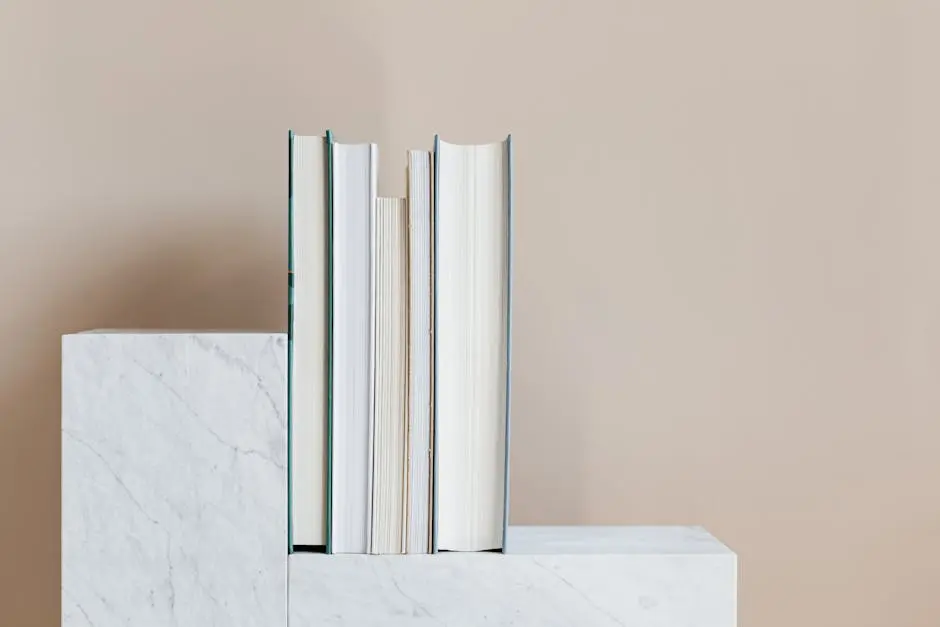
{"points": [[663, 585], [174, 481]]}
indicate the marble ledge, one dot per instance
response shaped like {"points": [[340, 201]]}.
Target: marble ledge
{"points": [[174, 487], [174, 480], [549, 576]]}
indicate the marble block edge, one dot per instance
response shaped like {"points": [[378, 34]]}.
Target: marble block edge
{"points": [[667, 576], [157, 427]]}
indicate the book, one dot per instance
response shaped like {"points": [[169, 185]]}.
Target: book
{"points": [[399, 329], [307, 339], [354, 183], [390, 409], [472, 287], [418, 515]]}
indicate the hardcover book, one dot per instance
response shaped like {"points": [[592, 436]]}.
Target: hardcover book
{"points": [[472, 288], [308, 339], [354, 182]]}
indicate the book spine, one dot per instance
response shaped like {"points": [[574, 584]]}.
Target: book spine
{"points": [[432, 203], [290, 333], [329, 342], [434, 198], [509, 251]]}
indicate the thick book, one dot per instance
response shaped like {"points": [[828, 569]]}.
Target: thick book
{"points": [[390, 393], [354, 183], [308, 340], [472, 330], [418, 515]]}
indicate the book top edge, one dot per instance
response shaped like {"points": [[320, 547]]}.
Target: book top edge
{"points": [[470, 146]]}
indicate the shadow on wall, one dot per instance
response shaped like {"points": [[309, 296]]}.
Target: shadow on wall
{"points": [[212, 265], [216, 279], [548, 463]]}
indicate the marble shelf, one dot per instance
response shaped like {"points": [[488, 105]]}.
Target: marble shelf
{"points": [[549, 576], [174, 492], [174, 479]]}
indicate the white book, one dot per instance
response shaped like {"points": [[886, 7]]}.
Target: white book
{"points": [[354, 180], [418, 517], [308, 382], [390, 415], [471, 335]]}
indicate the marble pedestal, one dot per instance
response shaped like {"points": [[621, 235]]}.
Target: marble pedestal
{"points": [[174, 514], [174, 480], [549, 576]]}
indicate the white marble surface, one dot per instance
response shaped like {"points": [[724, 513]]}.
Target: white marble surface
{"points": [[612, 540], [174, 485], [581, 576]]}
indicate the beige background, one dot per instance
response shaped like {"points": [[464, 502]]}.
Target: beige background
{"points": [[727, 271]]}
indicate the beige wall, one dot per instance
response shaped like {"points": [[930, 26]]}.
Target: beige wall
{"points": [[727, 283]]}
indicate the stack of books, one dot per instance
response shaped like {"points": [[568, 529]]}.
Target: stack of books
{"points": [[399, 349]]}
